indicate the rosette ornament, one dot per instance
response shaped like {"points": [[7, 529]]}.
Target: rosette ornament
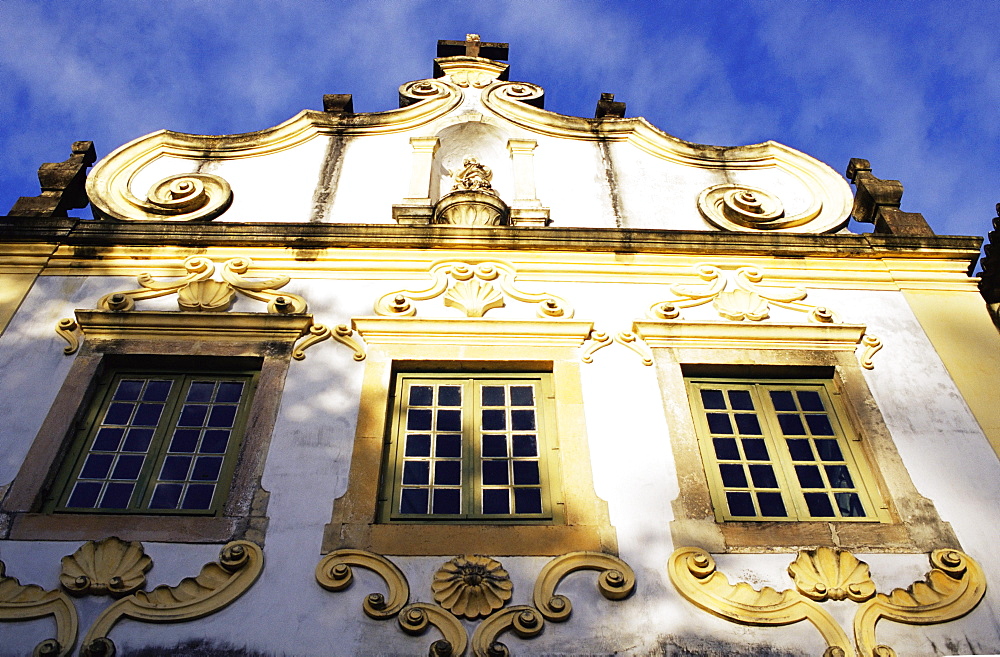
{"points": [[472, 586]]}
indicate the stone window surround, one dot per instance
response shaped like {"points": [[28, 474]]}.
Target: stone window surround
{"points": [[471, 345], [266, 338], [914, 525]]}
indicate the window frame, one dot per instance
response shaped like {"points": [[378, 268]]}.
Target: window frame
{"points": [[790, 488], [158, 449], [471, 448]]}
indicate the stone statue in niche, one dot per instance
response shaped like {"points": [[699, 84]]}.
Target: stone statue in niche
{"points": [[474, 176], [472, 200]]}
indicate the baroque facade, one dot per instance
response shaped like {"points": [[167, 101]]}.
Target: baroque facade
{"points": [[473, 377]]}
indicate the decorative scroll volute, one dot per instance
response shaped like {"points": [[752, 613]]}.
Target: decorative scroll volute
{"points": [[615, 582], [180, 197], [334, 573], [525, 621], [20, 602], [110, 566], [743, 208]]}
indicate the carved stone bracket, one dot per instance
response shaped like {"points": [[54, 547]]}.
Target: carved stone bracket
{"points": [[474, 289], [68, 329], [319, 332], [217, 586], [474, 587], [954, 586], [20, 602], [628, 339]]}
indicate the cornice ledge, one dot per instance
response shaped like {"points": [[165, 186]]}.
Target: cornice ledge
{"points": [[741, 335], [110, 324], [473, 331]]}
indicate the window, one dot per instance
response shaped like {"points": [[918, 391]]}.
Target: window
{"points": [[778, 450], [469, 448], [156, 441]]}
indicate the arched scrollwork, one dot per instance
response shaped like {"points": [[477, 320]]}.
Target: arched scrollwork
{"points": [[27, 602], [520, 92], [615, 582], [334, 573], [180, 197], [417, 617], [743, 208], [419, 90], [524, 621]]}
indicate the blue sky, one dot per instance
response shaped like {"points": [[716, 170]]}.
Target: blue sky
{"points": [[912, 86]]}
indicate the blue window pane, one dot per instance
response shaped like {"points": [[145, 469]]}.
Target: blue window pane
{"points": [[791, 425], [148, 415], [522, 396], [184, 440], [222, 416], [108, 440], [496, 501], [214, 442], [819, 425], [413, 500], [525, 445], [763, 476], [128, 467], [198, 496], [733, 475], [416, 472], [819, 505], [782, 400], [719, 423], [421, 396], [448, 473], [166, 496], [138, 440], [229, 391], [494, 396], [527, 500], [418, 419], [117, 496], [771, 505], [525, 473], [449, 396], [448, 420], [725, 449], [494, 420], [809, 476], [747, 424], [740, 400], [175, 468], [740, 504], [192, 415], [829, 450], [128, 390], [849, 505], [712, 399], [96, 466], [809, 400], [800, 449], [418, 444], [448, 445], [447, 500], [206, 468], [157, 391], [84, 495], [494, 445], [495, 473], [755, 449], [523, 420], [839, 476], [118, 414]]}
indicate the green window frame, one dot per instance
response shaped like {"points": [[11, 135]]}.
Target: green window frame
{"points": [[470, 447], [158, 441], [779, 450]]}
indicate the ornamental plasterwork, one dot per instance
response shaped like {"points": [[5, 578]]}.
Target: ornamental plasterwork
{"points": [[117, 568], [738, 296], [474, 289], [600, 340], [743, 208], [952, 588], [465, 578], [200, 291]]}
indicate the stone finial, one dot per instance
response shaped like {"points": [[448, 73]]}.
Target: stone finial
{"points": [[989, 284], [62, 185], [340, 104], [877, 202], [607, 106], [473, 47]]}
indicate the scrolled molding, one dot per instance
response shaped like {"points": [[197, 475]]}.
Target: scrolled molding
{"points": [[110, 566], [869, 345], [20, 602], [68, 329], [334, 573], [417, 617], [473, 288], [517, 92], [954, 586], [420, 90], [523, 620], [217, 586], [319, 332], [598, 340], [615, 582], [636, 344], [181, 197], [743, 208]]}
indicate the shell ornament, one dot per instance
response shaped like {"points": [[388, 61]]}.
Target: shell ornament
{"points": [[472, 586]]}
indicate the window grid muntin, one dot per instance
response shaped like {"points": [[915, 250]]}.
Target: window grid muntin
{"points": [[472, 445], [158, 442], [792, 491]]}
